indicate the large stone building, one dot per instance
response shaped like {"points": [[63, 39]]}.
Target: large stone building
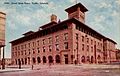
{"points": [[2, 34], [64, 42]]}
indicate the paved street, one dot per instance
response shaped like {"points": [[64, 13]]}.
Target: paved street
{"points": [[67, 70]]}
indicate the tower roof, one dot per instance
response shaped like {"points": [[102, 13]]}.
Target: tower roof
{"points": [[74, 8]]}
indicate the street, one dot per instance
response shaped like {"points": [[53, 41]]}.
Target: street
{"points": [[67, 70]]}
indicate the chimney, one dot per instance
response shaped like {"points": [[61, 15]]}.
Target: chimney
{"points": [[53, 18]]}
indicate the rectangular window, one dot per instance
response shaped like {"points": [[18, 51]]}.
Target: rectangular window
{"points": [[43, 41], [87, 47], [38, 50], [91, 42], [25, 46], [66, 45], [82, 47], [33, 44], [50, 48], [50, 40], [29, 45], [77, 45], [76, 36], [87, 40], [57, 47], [56, 38], [66, 36], [43, 49], [38, 42], [91, 49], [82, 38]]}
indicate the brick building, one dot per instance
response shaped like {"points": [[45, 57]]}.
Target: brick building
{"points": [[64, 42]]}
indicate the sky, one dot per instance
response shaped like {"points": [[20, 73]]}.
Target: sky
{"points": [[103, 16]]}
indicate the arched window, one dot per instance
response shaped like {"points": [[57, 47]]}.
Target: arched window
{"points": [[50, 59], [38, 59], [57, 58], [92, 59], [33, 60], [83, 59], [44, 59]]}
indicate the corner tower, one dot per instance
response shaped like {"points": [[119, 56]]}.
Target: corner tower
{"points": [[77, 11]]}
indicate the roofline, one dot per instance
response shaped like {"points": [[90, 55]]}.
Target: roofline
{"points": [[72, 19], [76, 5]]}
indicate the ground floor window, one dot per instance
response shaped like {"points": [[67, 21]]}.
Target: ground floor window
{"points": [[33, 60], [83, 59], [57, 57], [92, 59]]}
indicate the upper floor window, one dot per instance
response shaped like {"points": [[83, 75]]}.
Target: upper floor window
{"points": [[28, 44], [87, 40], [57, 47], [91, 42], [50, 40], [50, 48], [82, 47], [43, 49], [65, 36], [38, 50], [33, 44], [56, 38], [43, 41], [91, 49], [76, 45], [87, 47], [66, 45], [38, 42], [76, 36], [82, 38]]}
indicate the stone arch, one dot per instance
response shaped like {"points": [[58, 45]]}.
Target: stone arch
{"points": [[50, 58]]}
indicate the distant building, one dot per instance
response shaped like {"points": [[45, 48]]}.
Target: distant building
{"points": [[64, 42], [2, 33]]}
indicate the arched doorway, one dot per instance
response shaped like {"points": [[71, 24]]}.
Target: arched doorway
{"points": [[44, 59], [25, 61], [83, 59], [38, 59], [99, 59], [50, 58], [57, 58]]}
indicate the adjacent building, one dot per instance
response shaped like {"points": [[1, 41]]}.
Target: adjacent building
{"points": [[2, 35], [64, 42]]}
